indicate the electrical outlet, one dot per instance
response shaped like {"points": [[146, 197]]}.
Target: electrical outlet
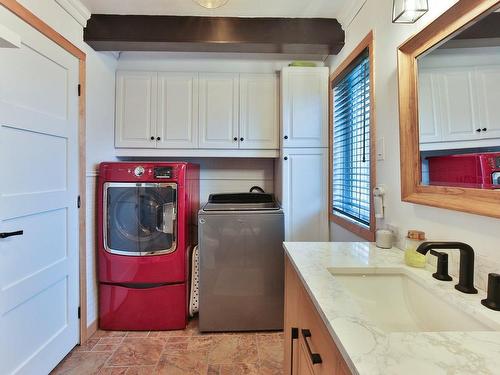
{"points": [[380, 149]]}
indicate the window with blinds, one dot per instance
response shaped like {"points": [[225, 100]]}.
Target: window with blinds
{"points": [[351, 143]]}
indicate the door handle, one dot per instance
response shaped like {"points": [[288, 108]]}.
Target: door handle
{"points": [[11, 234], [315, 357]]}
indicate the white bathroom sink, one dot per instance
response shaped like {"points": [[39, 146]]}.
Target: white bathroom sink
{"points": [[396, 302]]}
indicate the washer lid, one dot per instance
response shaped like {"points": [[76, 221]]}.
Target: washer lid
{"points": [[241, 202]]}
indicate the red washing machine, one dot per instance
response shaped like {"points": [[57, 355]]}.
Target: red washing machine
{"points": [[146, 230]]}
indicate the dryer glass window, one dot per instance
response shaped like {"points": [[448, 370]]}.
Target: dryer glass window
{"points": [[140, 219]]}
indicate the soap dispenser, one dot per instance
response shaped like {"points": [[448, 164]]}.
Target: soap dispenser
{"points": [[412, 257], [493, 299]]}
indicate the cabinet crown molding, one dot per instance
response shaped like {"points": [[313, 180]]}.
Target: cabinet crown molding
{"points": [[75, 9]]}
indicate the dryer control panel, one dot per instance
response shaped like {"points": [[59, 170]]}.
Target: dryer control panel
{"points": [[163, 172]]}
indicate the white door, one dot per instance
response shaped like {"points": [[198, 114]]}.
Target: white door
{"points": [[136, 109], [38, 196], [304, 194], [304, 107], [219, 110], [488, 85], [177, 110], [259, 111], [457, 105], [429, 128]]}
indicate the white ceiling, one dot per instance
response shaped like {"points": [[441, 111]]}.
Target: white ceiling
{"points": [[234, 8]]}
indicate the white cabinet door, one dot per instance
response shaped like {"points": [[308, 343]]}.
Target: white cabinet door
{"points": [[305, 194], [136, 109], [39, 292], [429, 127], [177, 110], [259, 111], [219, 110], [488, 87], [457, 105], [305, 107]]}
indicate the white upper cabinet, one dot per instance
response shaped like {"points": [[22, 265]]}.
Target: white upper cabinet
{"points": [[459, 104], [197, 114], [177, 110], [489, 101], [136, 107], [219, 110], [305, 107], [259, 111], [430, 131]]}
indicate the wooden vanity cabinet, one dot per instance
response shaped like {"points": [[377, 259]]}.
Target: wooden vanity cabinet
{"points": [[302, 319]]}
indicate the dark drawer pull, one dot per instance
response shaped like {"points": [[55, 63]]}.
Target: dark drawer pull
{"points": [[11, 234], [315, 357], [294, 336]]}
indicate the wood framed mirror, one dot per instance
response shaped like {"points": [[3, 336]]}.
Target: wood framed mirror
{"points": [[449, 110]]}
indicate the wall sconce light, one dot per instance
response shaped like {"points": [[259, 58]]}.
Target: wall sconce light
{"points": [[408, 11]]}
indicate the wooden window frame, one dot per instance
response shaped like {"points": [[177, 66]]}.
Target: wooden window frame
{"points": [[476, 201], [31, 19], [361, 231]]}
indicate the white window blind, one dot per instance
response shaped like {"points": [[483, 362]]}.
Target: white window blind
{"points": [[351, 143]]}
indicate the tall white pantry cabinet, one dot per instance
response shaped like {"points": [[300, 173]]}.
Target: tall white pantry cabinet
{"points": [[302, 169]]}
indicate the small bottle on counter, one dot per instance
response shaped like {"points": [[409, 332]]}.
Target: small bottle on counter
{"points": [[412, 241]]}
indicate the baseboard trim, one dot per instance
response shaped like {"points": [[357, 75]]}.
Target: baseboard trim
{"points": [[91, 329]]}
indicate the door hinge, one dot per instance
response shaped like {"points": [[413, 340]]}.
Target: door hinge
{"points": [[79, 312], [79, 90], [78, 202]]}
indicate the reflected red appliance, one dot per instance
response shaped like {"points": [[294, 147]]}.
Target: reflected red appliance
{"points": [[146, 230], [480, 170]]}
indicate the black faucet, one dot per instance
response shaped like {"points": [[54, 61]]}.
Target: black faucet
{"points": [[466, 273], [442, 266]]}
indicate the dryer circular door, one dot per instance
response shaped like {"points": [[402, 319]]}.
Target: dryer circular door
{"points": [[140, 218]]}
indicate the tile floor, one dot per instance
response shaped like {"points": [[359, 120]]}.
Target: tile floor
{"points": [[186, 352]]}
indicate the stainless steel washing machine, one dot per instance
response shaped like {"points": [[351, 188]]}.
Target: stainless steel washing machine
{"points": [[241, 263]]}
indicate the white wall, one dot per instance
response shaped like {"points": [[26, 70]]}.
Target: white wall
{"points": [[439, 224], [100, 118]]}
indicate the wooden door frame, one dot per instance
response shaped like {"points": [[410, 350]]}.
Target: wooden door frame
{"points": [[367, 43], [35, 22]]}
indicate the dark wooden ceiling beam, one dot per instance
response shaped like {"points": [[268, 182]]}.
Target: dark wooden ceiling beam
{"points": [[487, 28], [214, 34]]}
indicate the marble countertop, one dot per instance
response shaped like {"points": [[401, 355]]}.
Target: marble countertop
{"points": [[369, 350]]}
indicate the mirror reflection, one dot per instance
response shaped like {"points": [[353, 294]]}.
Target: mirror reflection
{"points": [[459, 108]]}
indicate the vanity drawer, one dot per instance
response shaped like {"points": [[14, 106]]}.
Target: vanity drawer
{"points": [[314, 338]]}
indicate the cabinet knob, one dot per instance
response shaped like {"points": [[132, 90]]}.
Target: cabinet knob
{"points": [[152, 138], [235, 139], [158, 138], [242, 139], [285, 137], [478, 130], [484, 129], [286, 158]]}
